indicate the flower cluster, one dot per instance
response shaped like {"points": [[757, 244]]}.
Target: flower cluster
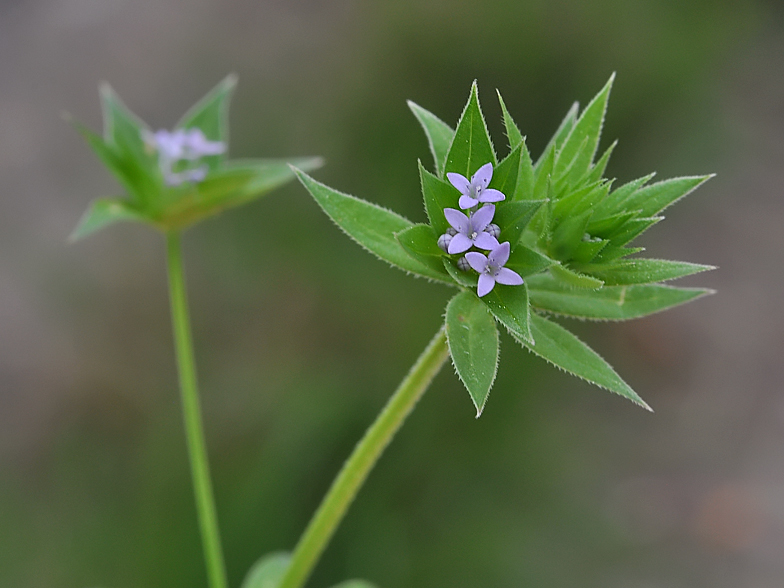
{"points": [[182, 149], [476, 229]]}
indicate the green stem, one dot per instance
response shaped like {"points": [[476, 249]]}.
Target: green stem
{"points": [[345, 487], [197, 450]]}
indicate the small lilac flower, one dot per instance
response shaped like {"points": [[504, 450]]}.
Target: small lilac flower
{"points": [[491, 269], [182, 145], [476, 191], [470, 229]]}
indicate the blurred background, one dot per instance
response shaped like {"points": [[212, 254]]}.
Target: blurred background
{"points": [[301, 335]]}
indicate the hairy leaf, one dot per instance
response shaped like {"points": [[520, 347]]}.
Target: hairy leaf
{"points": [[641, 271], [439, 135], [102, 213], [561, 348], [471, 147], [473, 344], [614, 303], [370, 225], [509, 304], [268, 571]]}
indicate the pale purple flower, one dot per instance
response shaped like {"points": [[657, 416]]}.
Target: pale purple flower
{"points": [[182, 145], [470, 229], [476, 191], [491, 269]]}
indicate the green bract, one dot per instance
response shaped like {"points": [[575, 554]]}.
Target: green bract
{"points": [[148, 198], [569, 232]]}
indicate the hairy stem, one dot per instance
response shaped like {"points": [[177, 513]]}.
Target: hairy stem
{"points": [[197, 451], [350, 479]]}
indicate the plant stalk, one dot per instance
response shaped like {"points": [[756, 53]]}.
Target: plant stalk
{"points": [[194, 433], [367, 452]]}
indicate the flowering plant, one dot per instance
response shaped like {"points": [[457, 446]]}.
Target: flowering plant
{"points": [[545, 238]]}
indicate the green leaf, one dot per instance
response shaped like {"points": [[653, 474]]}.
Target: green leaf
{"points": [[355, 584], [513, 217], [506, 172], [562, 349], [560, 135], [632, 229], [465, 279], [421, 242], [509, 304], [371, 226], [585, 134], [652, 199], [473, 344], [597, 171], [586, 251], [102, 213], [542, 175], [211, 115], [438, 195], [512, 132], [613, 204], [439, 135], [575, 279], [126, 171], [525, 185], [611, 303], [471, 147], [268, 571], [527, 262], [641, 271], [568, 235]]}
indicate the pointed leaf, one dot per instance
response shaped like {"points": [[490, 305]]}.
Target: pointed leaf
{"points": [[439, 135], [369, 225], [211, 116], [102, 213], [127, 172], [641, 271], [632, 229], [438, 195], [542, 175], [512, 132], [525, 185], [587, 128], [612, 303], [568, 235], [471, 147], [355, 584], [597, 171], [473, 345], [652, 199], [506, 172], [268, 571], [560, 135], [614, 203], [613, 252], [586, 251], [509, 304], [561, 348]]}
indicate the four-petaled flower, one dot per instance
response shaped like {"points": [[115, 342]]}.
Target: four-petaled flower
{"points": [[491, 269], [470, 229], [475, 191], [182, 145]]}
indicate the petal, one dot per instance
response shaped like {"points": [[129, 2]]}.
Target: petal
{"points": [[459, 182], [483, 175], [486, 283], [458, 220], [486, 241], [491, 195], [459, 243], [508, 277], [476, 260], [482, 217], [499, 255], [467, 202]]}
